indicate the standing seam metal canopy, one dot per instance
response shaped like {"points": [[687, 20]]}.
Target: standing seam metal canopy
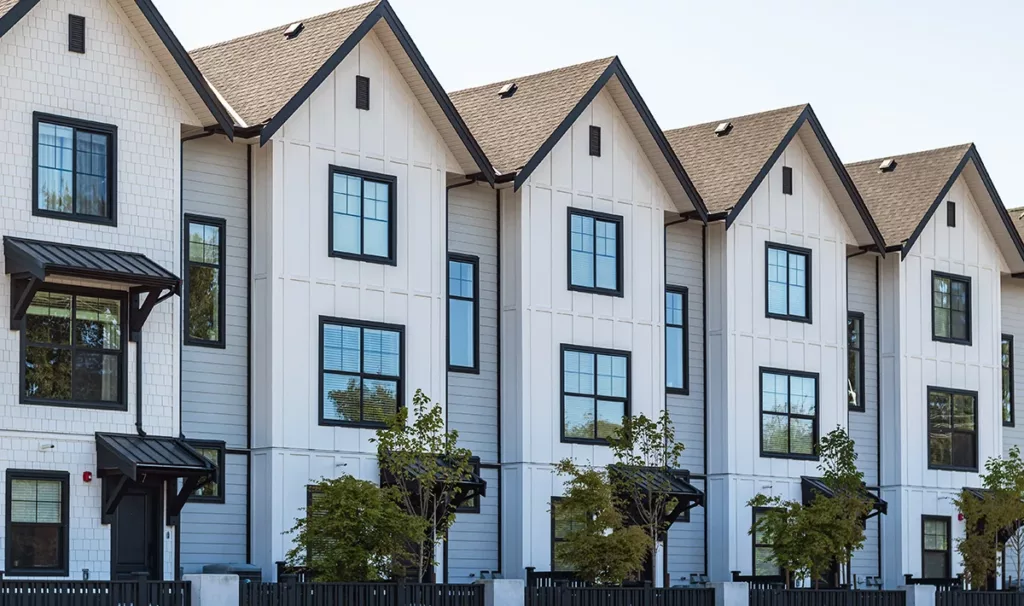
{"points": [[40, 259], [133, 456]]}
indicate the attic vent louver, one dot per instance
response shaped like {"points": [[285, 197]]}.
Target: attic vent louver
{"points": [[723, 129], [294, 30], [76, 34], [888, 165], [508, 90], [362, 92]]}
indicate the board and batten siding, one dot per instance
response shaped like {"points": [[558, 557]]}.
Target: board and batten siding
{"points": [[1013, 324]]}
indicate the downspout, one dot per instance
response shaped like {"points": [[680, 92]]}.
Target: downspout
{"points": [[501, 486], [878, 396], [137, 337], [248, 355], [704, 321]]}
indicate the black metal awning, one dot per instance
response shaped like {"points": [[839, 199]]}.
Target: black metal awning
{"points": [[981, 494], [470, 486], [661, 481], [811, 487], [30, 262]]}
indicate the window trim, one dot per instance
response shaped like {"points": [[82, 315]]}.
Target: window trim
{"points": [[627, 400], [618, 220], [222, 225], [475, 262], [861, 403], [949, 542], [392, 182], [221, 448], [474, 505], [1013, 398], [970, 308], [99, 128], [753, 540], [76, 291], [763, 370], [950, 391], [362, 324], [684, 292], [809, 303], [39, 474], [554, 540]]}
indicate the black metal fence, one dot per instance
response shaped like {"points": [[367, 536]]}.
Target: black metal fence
{"points": [[95, 593], [979, 598], [826, 597], [359, 594], [618, 596]]}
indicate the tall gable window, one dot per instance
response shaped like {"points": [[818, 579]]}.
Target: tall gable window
{"points": [[951, 308], [1006, 361], [361, 374], [595, 393], [463, 313], [677, 376], [37, 523], [952, 429], [595, 252], [362, 216], [788, 285], [204, 281], [75, 169], [855, 361], [789, 413]]}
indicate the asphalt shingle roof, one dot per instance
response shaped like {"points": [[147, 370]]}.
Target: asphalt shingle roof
{"points": [[6, 5]]}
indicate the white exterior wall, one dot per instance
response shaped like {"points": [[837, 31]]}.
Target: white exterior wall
{"points": [[1013, 324], [116, 82]]}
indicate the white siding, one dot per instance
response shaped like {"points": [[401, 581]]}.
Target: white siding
{"points": [[214, 533], [473, 538]]}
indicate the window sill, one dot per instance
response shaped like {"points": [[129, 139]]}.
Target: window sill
{"points": [[52, 214], [35, 572], [352, 424], [468, 370], [973, 469], [586, 441], [678, 391], [795, 457], [111, 406], [218, 500], [951, 340], [1009, 423], [608, 292], [789, 318], [856, 408], [363, 258], [204, 344]]}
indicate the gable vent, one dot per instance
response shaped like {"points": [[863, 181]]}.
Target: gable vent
{"points": [[951, 214], [362, 92], [787, 180], [595, 141], [508, 90], [294, 30], [888, 165], [723, 129], [76, 34]]}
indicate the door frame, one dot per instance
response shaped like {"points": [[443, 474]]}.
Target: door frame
{"points": [[157, 536]]}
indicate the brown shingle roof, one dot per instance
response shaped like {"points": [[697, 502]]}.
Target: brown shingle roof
{"points": [[1017, 214], [259, 73], [722, 168], [6, 5], [899, 200], [512, 130]]}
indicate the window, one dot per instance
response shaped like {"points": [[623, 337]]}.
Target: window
{"points": [[75, 169], [1006, 356], [855, 361], [951, 308], [212, 491], [764, 565], [37, 523], [472, 505], [789, 414], [73, 349], [314, 507], [463, 313], [788, 294], [952, 429], [935, 547], [204, 281], [362, 216], [361, 372], [595, 393], [677, 358], [561, 525], [595, 252]]}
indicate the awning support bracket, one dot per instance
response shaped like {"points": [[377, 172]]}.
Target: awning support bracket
{"points": [[139, 308], [23, 289], [176, 499], [112, 495]]}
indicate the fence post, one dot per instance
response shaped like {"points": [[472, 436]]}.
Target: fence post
{"points": [[919, 595], [213, 589], [731, 594], [503, 592]]}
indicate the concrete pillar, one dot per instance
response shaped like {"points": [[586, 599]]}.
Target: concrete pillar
{"points": [[501, 592], [920, 595], [213, 589], [732, 594]]}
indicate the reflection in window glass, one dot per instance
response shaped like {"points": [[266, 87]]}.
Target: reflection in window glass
{"points": [[676, 356], [789, 413], [361, 373], [361, 216], [595, 394], [593, 252], [462, 314], [788, 288]]}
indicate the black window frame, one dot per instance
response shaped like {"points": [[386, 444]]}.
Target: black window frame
{"points": [[392, 182], [96, 128], [755, 511], [222, 225], [1012, 421], [860, 391], [619, 222], [311, 490], [475, 262], [221, 449], [473, 505], [950, 213], [787, 180], [76, 291], [809, 299], [951, 392], [47, 475], [400, 380], [555, 540], [970, 308], [816, 419], [596, 351], [683, 292], [948, 552]]}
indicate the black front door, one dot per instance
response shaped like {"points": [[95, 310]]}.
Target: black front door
{"points": [[135, 535]]}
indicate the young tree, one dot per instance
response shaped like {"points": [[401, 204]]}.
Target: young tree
{"points": [[427, 468], [353, 531]]}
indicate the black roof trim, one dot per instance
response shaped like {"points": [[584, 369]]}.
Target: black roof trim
{"points": [[808, 115], [384, 11], [134, 456], [811, 487], [615, 68], [11, 18]]}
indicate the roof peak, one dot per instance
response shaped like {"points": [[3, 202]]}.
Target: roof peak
{"points": [[963, 146], [778, 110], [582, 64]]}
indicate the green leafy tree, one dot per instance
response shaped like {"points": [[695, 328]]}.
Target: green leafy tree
{"points": [[353, 531], [421, 459], [599, 547]]}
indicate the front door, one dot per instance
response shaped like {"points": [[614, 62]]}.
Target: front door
{"points": [[135, 535]]}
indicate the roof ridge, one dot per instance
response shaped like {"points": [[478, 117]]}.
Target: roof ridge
{"points": [[964, 146], [777, 110], [607, 60]]}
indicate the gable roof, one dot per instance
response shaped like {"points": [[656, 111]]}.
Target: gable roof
{"points": [[904, 199], [265, 77], [728, 169], [517, 132]]}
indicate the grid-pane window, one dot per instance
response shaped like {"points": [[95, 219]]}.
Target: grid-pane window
{"points": [[362, 216], [789, 413], [37, 523], [74, 169], [855, 361], [952, 429], [204, 281], [463, 324], [212, 490], [789, 284], [562, 524], [360, 378], [595, 393], [951, 308], [1006, 358], [73, 350], [676, 355], [935, 548], [764, 565], [595, 248]]}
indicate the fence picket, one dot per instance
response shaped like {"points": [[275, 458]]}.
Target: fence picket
{"points": [[95, 593], [358, 594], [832, 597]]}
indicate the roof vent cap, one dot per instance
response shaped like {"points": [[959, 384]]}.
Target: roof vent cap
{"points": [[888, 165], [294, 30], [723, 129], [508, 90]]}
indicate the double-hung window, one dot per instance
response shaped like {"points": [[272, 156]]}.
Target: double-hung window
{"points": [[789, 413], [855, 361], [935, 547], [75, 169], [764, 550], [677, 358], [204, 281], [951, 308], [37, 523], [595, 393], [788, 287], [562, 524], [211, 491], [1006, 361], [595, 252], [952, 429], [362, 216], [361, 374], [463, 313]]}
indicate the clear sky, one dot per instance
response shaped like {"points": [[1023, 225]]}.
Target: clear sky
{"points": [[884, 76]]}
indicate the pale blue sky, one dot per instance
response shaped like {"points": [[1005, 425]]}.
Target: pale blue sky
{"points": [[884, 76]]}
